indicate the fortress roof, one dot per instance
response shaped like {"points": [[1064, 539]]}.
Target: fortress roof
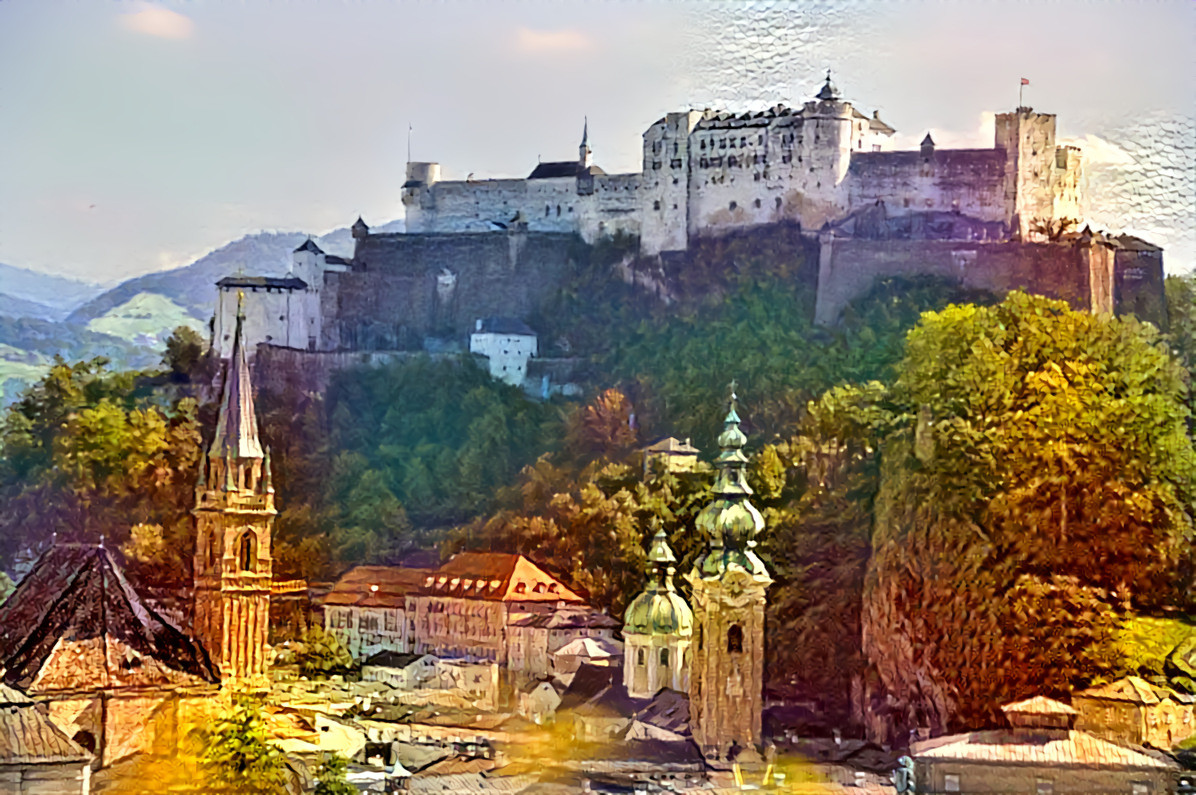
{"points": [[564, 168], [310, 245], [503, 325], [275, 282]]}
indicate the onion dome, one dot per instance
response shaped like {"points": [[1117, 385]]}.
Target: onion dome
{"points": [[659, 609], [730, 522]]}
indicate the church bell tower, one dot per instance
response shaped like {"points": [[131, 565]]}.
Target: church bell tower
{"points": [[728, 581], [234, 514]]}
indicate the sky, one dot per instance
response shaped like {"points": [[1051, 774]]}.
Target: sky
{"points": [[138, 136]]}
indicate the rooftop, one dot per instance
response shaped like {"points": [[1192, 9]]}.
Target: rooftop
{"points": [[76, 601], [496, 576], [276, 282], [1069, 748], [376, 586]]}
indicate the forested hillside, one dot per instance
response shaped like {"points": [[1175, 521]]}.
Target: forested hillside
{"points": [[1003, 485]]}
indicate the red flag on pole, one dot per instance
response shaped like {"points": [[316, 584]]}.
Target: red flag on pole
{"points": [[1025, 82]]}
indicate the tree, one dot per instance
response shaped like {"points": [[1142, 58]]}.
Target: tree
{"points": [[331, 780], [1036, 481], [237, 757], [323, 655]]}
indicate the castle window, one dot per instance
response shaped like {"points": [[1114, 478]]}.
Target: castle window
{"points": [[756, 176], [703, 162], [735, 639], [675, 163], [731, 161], [733, 205], [547, 210], [722, 144], [640, 659], [656, 204], [558, 211], [674, 147], [760, 139], [786, 158], [664, 657], [702, 145], [778, 200], [757, 204], [743, 141], [247, 552]]}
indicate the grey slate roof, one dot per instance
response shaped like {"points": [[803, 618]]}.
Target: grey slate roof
{"points": [[567, 619], [394, 659], [503, 325], [310, 245], [563, 168], [78, 593], [273, 282]]}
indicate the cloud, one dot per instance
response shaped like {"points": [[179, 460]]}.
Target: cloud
{"points": [[157, 21], [1099, 151], [539, 42], [979, 138]]}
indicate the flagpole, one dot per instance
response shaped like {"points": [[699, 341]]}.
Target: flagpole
{"points": [[1021, 86]]}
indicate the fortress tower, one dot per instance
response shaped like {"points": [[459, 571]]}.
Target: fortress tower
{"points": [[729, 581], [1043, 182], [657, 630], [234, 514]]}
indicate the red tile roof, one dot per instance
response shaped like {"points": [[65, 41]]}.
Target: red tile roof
{"points": [[376, 586], [496, 576]]}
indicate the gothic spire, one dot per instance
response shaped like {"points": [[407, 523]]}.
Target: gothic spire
{"points": [[585, 133], [236, 428]]}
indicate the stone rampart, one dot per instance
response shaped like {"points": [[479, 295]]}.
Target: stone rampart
{"points": [[1081, 274]]}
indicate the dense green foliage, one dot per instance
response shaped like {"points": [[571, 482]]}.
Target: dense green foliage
{"points": [[321, 655], [236, 757], [1036, 482], [331, 780], [86, 454]]}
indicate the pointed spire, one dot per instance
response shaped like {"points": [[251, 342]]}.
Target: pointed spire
{"points": [[585, 156], [268, 474], [585, 132], [731, 462], [236, 428]]}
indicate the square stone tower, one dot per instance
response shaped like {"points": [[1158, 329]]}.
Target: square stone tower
{"points": [[234, 514]]}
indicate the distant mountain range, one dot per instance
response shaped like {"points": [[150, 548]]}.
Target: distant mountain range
{"points": [[42, 316]]}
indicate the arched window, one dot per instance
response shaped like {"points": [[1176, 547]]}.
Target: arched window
{"points": [[639, 657], [247, 552], [700, 637], [664, 657], [735, 639], [210, 552]]}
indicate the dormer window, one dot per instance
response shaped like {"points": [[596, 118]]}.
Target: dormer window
{"points": [[520, 587]]}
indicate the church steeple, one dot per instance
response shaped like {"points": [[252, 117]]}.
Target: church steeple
{"points": [[585, 156], [234, 514], [657, 629], [729, 582]]}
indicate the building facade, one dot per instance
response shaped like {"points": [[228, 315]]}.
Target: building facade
{"points": [[507, 343], [711, 172], [534, 640], [234, 515], [465, 608], [367, 609], [1133, 711], [726, 680]]}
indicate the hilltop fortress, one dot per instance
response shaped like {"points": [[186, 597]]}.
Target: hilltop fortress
{"points": [[1002, 218], [706, 173]]}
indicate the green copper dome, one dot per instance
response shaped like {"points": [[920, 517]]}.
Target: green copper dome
{"points": [[730, 522], [659, 609]]}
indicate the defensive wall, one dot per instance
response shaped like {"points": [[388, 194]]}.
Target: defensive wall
{"points": [[405, 287]]}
